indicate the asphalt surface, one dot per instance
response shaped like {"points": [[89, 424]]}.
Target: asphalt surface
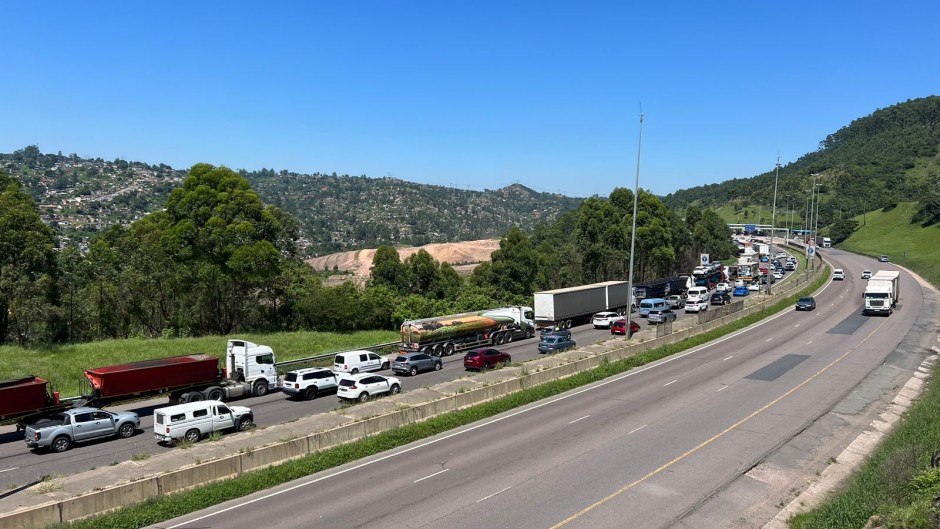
{"points": [[667, 445]]}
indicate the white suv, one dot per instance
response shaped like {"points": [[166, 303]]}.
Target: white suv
{"points": [[838, 274], [308, 383], [696, 304], [362, 386], [605, 319], [356, 361]]}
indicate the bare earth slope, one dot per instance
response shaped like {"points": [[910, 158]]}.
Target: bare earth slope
{"points": [[359, 262]]}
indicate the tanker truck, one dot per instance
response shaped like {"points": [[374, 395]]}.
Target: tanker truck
{"points": [[446, 335]]}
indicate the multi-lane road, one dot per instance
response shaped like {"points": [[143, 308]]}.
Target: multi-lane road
{"points": [[684, 442]]}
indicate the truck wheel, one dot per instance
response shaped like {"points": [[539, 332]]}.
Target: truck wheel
{"points": [[126, 430], [438, 351], [243, 424], [414, 370], [193, 436], [396, 389], [529, 333], [214, 393], [196, 396], [310, 393], [508, 337], [567, 324], [498, 339], [261, 388], [448, 349], [363, 397], [60, 444]]}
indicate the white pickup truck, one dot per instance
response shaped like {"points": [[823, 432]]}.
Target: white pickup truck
{"points": [[57, 432]]}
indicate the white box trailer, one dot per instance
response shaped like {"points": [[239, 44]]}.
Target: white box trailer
{"points": [[882, 292], [565, 307]]}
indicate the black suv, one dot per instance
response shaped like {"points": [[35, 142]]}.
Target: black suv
{"points": [[720, 298]]}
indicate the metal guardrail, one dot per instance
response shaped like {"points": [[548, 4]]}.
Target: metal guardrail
{"points": [[377, 348]]}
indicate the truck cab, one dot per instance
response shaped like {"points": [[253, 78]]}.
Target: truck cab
{"points": [[251, 363]]}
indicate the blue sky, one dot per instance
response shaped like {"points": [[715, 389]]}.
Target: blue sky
{"points": [[470, 94]]}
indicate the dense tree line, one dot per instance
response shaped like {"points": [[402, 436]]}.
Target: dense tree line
{"points": [[217, 260]]}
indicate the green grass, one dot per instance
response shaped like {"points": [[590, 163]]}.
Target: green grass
{"points": [[891, 233], [63, 365], [164, 508]]}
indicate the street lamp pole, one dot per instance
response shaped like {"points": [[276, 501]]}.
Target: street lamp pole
{"points": [[636, 192], [773, 218], [788, 216]]}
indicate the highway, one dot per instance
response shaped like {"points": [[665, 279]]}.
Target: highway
{"points": [[653, 447]]}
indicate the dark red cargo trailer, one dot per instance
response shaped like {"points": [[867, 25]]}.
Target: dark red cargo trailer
{"points": [[26, 395], [153, 376]]}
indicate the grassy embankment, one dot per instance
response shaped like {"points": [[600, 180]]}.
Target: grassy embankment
{"points": [[896, 482], [163, 508], [63, 365]]}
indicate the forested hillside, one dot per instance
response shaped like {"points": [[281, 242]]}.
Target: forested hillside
{"points": [[876, 161], [79, 197]]}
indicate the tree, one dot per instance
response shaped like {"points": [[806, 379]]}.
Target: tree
{"points": [[387, 269], [27, 264]]}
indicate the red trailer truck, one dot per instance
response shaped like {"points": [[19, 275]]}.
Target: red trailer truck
{"points": [[250, 370], [27, 398]]}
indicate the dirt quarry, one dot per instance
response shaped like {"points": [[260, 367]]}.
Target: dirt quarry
{"points": [[463, 255]]}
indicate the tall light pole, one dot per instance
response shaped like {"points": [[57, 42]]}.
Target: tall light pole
{"points": [[815, 225], [636, 192], [788, 216], [773, 217]]}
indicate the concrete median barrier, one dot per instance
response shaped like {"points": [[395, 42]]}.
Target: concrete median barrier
{"points": [[108, 499], [186, 478]]}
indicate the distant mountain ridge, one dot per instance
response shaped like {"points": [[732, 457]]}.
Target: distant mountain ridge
{"points": [[81, 196]]}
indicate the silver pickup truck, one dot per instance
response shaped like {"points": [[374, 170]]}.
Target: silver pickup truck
{"points": [[57, 432]]}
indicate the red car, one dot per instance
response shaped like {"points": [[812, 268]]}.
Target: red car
{"points": [[484, 358], [620, 327]]}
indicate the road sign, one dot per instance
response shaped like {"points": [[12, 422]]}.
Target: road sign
{"points": [[704, 258], [750, 228], [810, 251]]}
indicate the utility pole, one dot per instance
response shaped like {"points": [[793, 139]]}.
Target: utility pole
{"points": [[636, 192], [773, 218]]}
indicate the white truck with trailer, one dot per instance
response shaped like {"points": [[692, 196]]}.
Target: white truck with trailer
{"points": [[882, 292], [561, 308]]}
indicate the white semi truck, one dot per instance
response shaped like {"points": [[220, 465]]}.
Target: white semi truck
{"points": [[565, 307], [882, 292]]}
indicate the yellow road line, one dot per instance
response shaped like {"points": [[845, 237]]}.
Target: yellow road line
{"points": [[691, 451]]}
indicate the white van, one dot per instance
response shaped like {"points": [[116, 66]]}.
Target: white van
{"points": [[356, 361], [698, 293], [652, 304], [194, 420]]}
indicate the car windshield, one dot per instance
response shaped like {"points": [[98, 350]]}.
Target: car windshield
{"points": [[806, 300]]}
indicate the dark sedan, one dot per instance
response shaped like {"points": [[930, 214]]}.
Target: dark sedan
{"points": [[413, 363], [720, 298], [807, 303], [485, 358], [554, 344]]}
